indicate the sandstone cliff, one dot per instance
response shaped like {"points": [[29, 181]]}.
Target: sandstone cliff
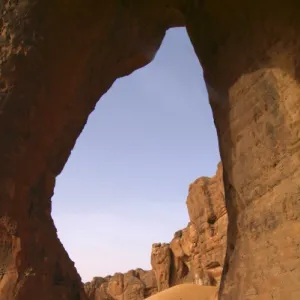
{"points": [[133, 285], [57, 60], [195, 254]]}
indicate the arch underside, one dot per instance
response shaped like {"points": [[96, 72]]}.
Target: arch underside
{"points": [[59, 57]]}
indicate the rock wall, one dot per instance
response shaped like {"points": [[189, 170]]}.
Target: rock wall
{"points": [[59, 57], [196, 253], [133, 285], [250, 57]]}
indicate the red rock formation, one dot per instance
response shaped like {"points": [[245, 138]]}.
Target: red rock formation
{"points": [[208, 228], [59, 57], [133, 285], [161, 261], [196, 253]]}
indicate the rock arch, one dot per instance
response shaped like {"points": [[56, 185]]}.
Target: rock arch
{"points": [[58, 58]]}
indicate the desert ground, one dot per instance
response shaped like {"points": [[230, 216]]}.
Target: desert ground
{"points": [[186, 292]]}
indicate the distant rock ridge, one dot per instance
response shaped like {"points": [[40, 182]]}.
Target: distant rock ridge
{"points": [[135, 284], [194, 255]]}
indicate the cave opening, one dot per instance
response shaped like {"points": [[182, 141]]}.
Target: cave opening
{"points": [[125, 184], [59, 57]]}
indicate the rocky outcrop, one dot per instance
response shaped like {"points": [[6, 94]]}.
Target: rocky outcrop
{"points": [[59, 57], [196, 253], [161, 261], [133, 285]]}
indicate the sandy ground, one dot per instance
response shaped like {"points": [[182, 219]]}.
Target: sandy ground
{"points": [[186, 292]]}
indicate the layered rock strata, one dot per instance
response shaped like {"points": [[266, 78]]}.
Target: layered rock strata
{"points": [[196, 253]]}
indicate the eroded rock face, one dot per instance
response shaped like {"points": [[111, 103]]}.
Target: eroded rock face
{"points": [[59, 57], [196, 253], [207, 231], [161, 261], [251, 68], [133, 285], [91, 287]]}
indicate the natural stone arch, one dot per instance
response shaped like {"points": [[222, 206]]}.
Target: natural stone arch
{"points": [[59, 57]]}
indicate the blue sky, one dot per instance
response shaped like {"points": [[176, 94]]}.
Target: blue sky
{"points": [[126, 182]]}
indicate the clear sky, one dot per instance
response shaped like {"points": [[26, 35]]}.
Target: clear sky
{"points": [[126, 182]]}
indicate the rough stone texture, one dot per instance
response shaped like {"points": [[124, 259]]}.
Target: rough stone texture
{"points": [[161, 260], [91, 287], [133, 285], [251, 62], [206, 234], [196, 253], [58, 58]]}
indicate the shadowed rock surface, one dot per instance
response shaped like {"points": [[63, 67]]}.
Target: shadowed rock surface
{"points": [[59, 57]]}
